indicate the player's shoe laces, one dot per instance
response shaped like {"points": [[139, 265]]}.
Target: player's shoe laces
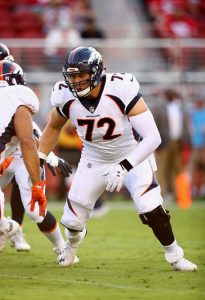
{"points": [[19, 242], [67, 256], [178, 262], [7, 231]]}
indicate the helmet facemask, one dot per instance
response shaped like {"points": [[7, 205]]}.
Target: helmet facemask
{"points": [[81, 88], [15, 79], [12, 73]]}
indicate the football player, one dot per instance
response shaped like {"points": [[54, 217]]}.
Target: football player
{"points": [[106, 108], [21, 166], [17, 209], [18, 104], [17, 170]]}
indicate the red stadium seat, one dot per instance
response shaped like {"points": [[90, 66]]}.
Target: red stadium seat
{"points": [[28, 25], [31, 33]]}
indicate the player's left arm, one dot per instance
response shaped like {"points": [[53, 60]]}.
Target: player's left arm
{"points": [[143, 122]]}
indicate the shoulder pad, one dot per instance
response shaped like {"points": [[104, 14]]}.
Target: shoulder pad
{"points": [[124, 86], [27, 97], [60, 94]]}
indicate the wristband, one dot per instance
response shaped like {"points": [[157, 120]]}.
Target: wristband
{"points": [[126, 164]]}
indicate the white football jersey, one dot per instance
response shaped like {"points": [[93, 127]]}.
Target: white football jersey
{"points": [[11, 98], [102, 124]]}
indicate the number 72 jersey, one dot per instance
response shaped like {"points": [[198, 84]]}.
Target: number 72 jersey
{"points": [[102, 123]]}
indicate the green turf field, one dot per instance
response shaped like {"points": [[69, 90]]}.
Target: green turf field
{"points": [[119, 259]]}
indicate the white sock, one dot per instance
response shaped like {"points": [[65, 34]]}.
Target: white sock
{"points": [[171, 248], [55, 237], [173, 253], [74, 236]]}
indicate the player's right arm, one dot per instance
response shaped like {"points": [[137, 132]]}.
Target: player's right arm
{"points": [[51, 133], [59, 97], [24, 131]]}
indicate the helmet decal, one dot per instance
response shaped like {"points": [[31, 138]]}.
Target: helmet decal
{"points": [[95, 55]]}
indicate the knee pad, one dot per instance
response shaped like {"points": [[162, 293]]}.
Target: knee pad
{"points": [[75, 224], [158, 220], [155, 217], [75, 216]]}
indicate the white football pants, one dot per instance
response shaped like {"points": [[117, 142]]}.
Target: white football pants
{"points": [[18, 169], [89, 183]]}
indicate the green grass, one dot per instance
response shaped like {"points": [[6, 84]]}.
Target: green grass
{"points": [[119, 259]]}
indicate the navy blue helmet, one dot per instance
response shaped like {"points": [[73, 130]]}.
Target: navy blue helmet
{"points": [[79, 60], [5, 53]]}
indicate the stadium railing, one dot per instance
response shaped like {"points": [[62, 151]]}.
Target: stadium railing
{"points": [[154, 62]]}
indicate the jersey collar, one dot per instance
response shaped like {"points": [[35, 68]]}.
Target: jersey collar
{"points": [[91, 104]]}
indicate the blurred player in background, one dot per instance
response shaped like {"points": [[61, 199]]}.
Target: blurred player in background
{"points": [[46, 222], [105, 109], [18, 104], [18, 173], [17, 208]]}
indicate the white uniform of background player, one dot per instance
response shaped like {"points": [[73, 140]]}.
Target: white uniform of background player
{"points": [[11, 98], [105, 109], [17, 168]]}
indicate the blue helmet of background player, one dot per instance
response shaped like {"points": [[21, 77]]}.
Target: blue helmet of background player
{"points": [[12, 73], [5, 53]]}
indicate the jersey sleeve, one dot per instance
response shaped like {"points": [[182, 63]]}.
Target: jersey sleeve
{"points": [[124, 89], [28, 98], [61, 97], [132, 92]]}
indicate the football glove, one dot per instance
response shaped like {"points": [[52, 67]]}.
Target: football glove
{"points": [[38, 195], [63, 166], [115, 178], [5, 164]]}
